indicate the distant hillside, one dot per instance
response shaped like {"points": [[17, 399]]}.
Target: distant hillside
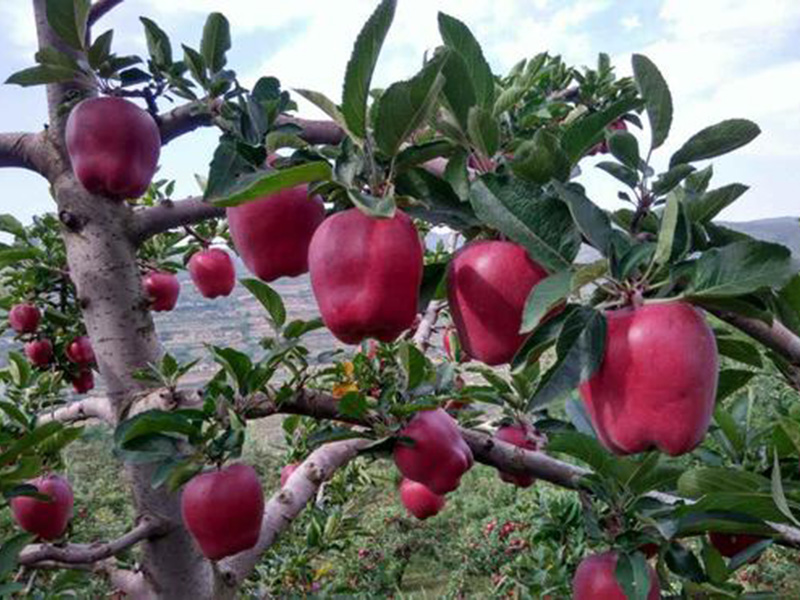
{"points": [[781, 230]]}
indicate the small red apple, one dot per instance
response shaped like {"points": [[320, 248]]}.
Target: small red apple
{"points": [[488, 283], [80, 351], [47, 519], [436, 456], [366, 273], [419, 500], [213, 272], [730, 544], [272, 234], [523, 436], [162, 289], [657, 384], [287, 471], [596, 579], [113, 146], [83, 381], [223, 510], [24, 318], [39, 352], [602, 147]]}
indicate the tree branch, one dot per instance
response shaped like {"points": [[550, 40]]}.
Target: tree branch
{"points": [[26, 151], [422, 336], [287, 504], [82, 554], [776, 337], [148, 222], [193, 115], [100, 8], [89, 408]]}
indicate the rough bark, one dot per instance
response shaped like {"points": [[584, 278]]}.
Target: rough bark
{"points": [[75, 554], [168, 215], [102, 263], [26, 151]]}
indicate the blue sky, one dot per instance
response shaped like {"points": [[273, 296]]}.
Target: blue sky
{"points": [[722, 58]]}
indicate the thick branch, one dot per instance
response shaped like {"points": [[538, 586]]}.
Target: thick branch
{"points": [[81, 554], [287, 504], [88, 408], [315, 131], [26, 151], [168, 215], [776, 337], [422, 336], [100, 8]]}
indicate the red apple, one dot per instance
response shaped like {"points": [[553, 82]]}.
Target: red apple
{"points": [[83, 381], [419, 500], [223, 510], [488, 283], [730, 544], [47, 519], [287, 471], [366, 273], [213, 272], [436, 455], [657, 383], [522, 436], [80, 351], [39, 352], [272, 234], [162, 289], [596, 579], [24, 318], [113, 146]]}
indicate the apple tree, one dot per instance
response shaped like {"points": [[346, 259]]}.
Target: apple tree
{"points": [[594, 350]]}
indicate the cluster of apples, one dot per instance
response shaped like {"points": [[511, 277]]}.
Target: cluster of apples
{"points": [[25, 318], [660, 359]]}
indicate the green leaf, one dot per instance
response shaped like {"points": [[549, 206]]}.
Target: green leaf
{"points": [[633, 575], [361, 66], [100, 49], [299, 328], [49, 56], [592, 221], [158, 44], [414, 364], [624, 174], [405, 106], [68, 18], [732, 380], [658, 101], [635, 258], [666, 234], [740, 350], [326, 105], [216, 41], [10, 550], [152, 422], [683, 562], [10, 224], [197, 65], [579, 349], [625, 148], [541, 159], [730, 429], [438, 203], [15, 254], [544, 297], [269, 299], [584, 133], [778, 494], [740, 268], [587, 449], [701, 481], [254, 186], [709, 205], [540, 223], [668, 180], [483, 130], [29, 441], [380, 208], [457, 36], [459, 90], [353, 404], [41, 75], [716, 140]]}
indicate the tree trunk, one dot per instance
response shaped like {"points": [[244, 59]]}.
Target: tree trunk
{"points": [[102, 263]]}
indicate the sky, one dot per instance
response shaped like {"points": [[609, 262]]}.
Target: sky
{"points": [[721, 58]]}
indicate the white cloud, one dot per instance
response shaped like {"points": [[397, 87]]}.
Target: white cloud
{"points": [[630, 23]]}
